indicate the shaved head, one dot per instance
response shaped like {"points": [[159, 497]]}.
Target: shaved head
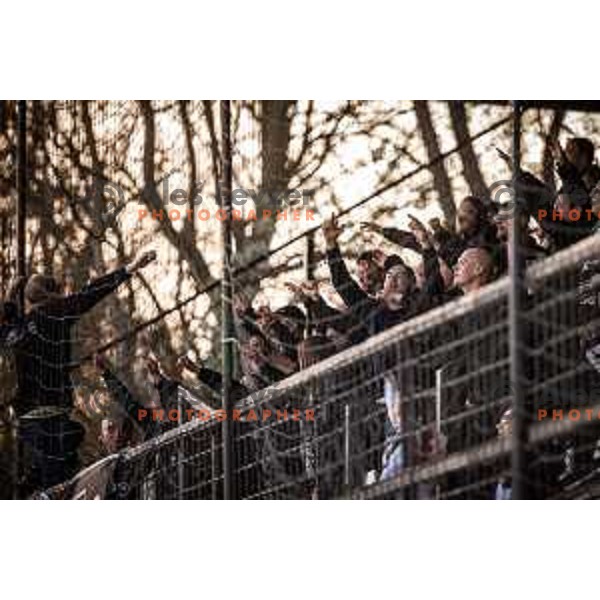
{"points": [[475, 268]]}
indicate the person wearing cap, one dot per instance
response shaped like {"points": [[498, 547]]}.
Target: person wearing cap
{"points": [[370, 275], [398, 300]]}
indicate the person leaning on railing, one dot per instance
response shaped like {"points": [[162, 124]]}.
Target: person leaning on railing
{"points": [[49, 438], [473, 270]]}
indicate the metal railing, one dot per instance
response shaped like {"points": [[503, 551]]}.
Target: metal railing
{"points": [[419, 411]]}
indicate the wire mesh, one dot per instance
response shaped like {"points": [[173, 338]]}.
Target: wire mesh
{"points": [[420, 411]]}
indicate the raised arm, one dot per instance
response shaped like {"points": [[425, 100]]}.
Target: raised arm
{"points": [[245, 318], [167, 387], [15, 293], [350, 292], [404, 239], [323, 315], [118, 391], [344, 323], [77, 304], [433, 281], [213, 379]]}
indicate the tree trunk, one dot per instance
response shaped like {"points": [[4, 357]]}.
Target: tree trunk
{"points": [[547, 158], [275, 123], [471, 170], [187, 251], [441, 180]]}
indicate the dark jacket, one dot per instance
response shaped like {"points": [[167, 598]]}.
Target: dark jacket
{"points": [[44, 361], [214, 380], [538, 196], [449, 245], [372, 314], [129, 406], [268, 375]]}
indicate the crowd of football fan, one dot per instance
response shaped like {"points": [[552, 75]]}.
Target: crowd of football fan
{"points": [[276, 343]]}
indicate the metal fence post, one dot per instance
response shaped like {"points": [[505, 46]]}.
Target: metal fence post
{"points": [[226, 299], [309, 257], [517, 272], [309, 273], [213, 467], [347, 480], [21, 181], [180, 450], [439, 388], [21, 188]]}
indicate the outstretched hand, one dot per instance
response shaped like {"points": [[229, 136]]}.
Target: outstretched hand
{"points": [[331, 231], [308, 290], [142, 261], [295, 288], [371, 227], [420, 232], [241, 304], [152, 365], [186, 363]]}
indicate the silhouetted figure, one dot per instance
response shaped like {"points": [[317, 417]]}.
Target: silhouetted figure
{"points": [[49, 438]]}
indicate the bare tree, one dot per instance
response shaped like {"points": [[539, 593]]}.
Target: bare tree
{"points": [[438, 169], [558, 117], [471, 169], [274, 118]]}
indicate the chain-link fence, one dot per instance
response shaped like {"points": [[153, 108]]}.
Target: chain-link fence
{"points": [[423, 410]]}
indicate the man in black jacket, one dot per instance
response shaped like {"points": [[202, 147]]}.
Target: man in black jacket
{"points": [[578, 175], [398, 301], [568, 216], [48, 437], [474, 228], [474, 268]]}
